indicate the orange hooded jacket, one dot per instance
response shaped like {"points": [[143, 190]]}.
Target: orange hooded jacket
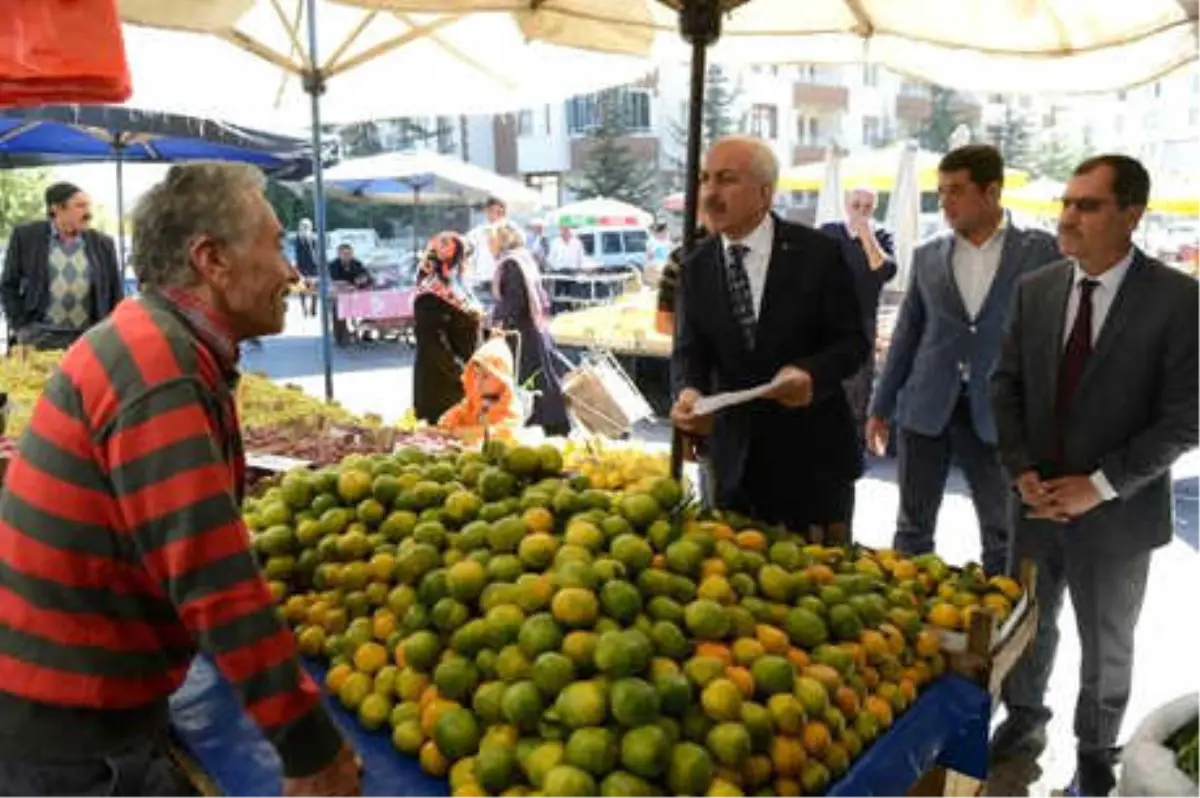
{"points": [[503, 414]]}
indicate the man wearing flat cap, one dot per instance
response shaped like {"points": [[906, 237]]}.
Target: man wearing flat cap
{"points": [[59, 277]]}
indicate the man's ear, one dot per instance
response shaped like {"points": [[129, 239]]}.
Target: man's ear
{"points": [[208, 259]]}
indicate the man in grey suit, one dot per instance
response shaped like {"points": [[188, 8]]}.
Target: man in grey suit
{"points": [[1096, 397], [944, 348]]}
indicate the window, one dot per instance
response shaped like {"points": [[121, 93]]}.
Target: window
{"points": [[583, 113], [610, 244], [636, 241], [806, 73], [445, 135], [870, 75], [764, 121], [870, 132], [546, 116], [814, 131], [525, 123], [589, 243]]}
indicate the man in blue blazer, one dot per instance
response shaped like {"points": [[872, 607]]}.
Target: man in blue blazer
{"points": [[944, 349]]}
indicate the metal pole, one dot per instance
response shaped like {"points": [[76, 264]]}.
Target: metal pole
{"points": [[416, 207], [314, 84], [119, 144], [700, 24]]}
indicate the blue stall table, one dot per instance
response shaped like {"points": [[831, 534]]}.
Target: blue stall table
{"points": [[947, 727]]}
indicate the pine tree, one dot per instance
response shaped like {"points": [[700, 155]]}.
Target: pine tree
{"points": [[611, 169], [717, 117], [1012, 137], [1056, 158], [944, 117]]}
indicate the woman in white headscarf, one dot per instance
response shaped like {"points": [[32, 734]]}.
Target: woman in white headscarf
{"points": [[522, 307]]}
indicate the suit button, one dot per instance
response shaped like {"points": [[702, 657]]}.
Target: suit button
{"points": [[972, 329]]}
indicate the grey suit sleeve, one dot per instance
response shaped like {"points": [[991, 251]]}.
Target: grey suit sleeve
{"points": [[1152, 452], [1008, 395], [906, 337]]}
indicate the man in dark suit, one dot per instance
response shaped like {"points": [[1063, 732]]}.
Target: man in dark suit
{"points": [[765, 301], [1096, 397], [870, 254], [59, 277], [944, 348]]}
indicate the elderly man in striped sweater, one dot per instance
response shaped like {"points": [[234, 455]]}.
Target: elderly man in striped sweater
{"points": [[122, 549]]}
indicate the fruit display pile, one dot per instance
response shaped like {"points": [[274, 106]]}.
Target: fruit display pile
{"points": [[523, 632], [263, 404], [23, 375], [611, 465], [1184, 744], [626, 325]]}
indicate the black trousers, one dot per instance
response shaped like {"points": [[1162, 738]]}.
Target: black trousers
{"points": [[777, 494], [924, 465], [143, 769]]}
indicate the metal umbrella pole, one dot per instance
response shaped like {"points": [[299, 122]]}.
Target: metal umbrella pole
{"points": [[119, 151], [314, 84], [700, 25]]}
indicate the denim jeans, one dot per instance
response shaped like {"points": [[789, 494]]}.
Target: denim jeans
{"points": [[144, 769]]}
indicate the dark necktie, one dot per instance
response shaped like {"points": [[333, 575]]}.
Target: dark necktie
{"points": [[1074, 359], [740, 297]]}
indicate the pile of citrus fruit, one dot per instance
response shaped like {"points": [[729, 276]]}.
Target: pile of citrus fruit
{"points": [[613, 465], [523, 633]]}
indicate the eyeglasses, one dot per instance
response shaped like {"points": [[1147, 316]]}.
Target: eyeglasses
{"points": [[1084, 204]]}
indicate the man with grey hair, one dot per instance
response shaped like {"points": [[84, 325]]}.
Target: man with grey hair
{"points": [[868, 251], [766, 301], [122, 546]]}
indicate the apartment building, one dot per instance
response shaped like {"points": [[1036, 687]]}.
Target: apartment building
{"points": [[801, 110]]}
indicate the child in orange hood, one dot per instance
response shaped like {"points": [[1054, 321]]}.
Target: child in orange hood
{"points": [[491, 396]]}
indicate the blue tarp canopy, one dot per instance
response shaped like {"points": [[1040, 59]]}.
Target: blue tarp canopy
{"points": [[80, 134]]}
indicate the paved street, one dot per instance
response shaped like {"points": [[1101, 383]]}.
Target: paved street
{"points": [[378, 378]]}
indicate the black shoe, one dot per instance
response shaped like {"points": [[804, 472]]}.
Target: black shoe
{"points": [[1017, 737], [1093, 775]]}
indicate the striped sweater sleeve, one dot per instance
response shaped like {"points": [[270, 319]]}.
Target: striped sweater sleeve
{"points": [[174, 491]]}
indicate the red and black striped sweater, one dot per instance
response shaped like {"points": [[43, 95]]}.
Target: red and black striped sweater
{"points": [[123, 552]]}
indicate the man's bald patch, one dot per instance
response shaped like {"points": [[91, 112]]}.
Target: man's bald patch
{"points": [[764, 166]]}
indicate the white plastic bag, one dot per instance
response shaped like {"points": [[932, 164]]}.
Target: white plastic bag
{"points": [[1147, 765]]}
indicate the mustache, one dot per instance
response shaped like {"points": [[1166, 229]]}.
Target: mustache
{"points": [[87, 217], [714, 204]]}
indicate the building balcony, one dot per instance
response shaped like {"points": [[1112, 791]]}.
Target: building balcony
{"points": [[807, 153], [644, 148], [820, 96]]}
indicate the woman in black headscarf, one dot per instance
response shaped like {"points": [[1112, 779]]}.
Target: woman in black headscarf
{"points": [[446, 321]]}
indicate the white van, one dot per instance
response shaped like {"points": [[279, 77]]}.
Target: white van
{"points": [[615, 246]]}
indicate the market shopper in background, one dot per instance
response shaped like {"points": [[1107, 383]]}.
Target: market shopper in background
{"points": [[304, 255], [521, 310], [483, 266], [658, 253], [869, 253], [348, 269], [766, 301], [59, 276], [447, 320], [122, 547], [566, 252], [1096, 398], [944, 349]]}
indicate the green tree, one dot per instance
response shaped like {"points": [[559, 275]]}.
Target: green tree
{"points": [[1012, 137], [717, 117], [611, 169], [944, 116], [1056, 157], [21, 197]]}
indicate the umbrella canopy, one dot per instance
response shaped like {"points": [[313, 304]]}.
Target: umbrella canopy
{"points": [[78, 134], [877, 169], [904, 213], [983, 45], [372, 62], [1038, 198], [831, 202], [427, 177], [600, 212]]}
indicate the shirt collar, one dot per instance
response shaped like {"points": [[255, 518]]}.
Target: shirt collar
{"points": [[210, 327], [58, 235], [759, 240], [1111, 280]]}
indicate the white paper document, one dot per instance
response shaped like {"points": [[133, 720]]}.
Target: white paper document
{"points": [[707, 405]]}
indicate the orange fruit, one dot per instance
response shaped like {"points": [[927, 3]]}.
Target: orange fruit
{"points": [[539, 519], [874, 643], [908, 689], [846, 701], [370, 657], [742, 678], [928, 643], [658, 562], [722, 532], [870, 677], [773, 639], [785, 788], [337, 676], [857, 653], [787, 755], [904, 570], [815, 737], [715, 650], [947, 616], [798, 657], [398, 656], [432, 761], [881, 709], [713, 567], [820, 573], [752, 539], [895, 639]]}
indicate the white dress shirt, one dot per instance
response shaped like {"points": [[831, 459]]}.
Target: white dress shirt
{"points": [[757, 258], [567, 254], [975, 267], [1103, 296]]}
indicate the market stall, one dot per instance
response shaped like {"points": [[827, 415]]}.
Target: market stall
{"points": [[385, 312]]}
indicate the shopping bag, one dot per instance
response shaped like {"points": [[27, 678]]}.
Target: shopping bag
{"points": [[1148, 766], [62, 51]]}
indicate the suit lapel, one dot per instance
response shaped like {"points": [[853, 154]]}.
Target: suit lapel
{"points": [[774, 291], [1124, 306], [1010, 269], [1054, 311], [946, 253]]}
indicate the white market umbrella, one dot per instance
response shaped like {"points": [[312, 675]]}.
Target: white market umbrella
{"points": [[423, 176], [903, 216], [284, 65], [600, 212], [982, 45], [831, 201]]}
